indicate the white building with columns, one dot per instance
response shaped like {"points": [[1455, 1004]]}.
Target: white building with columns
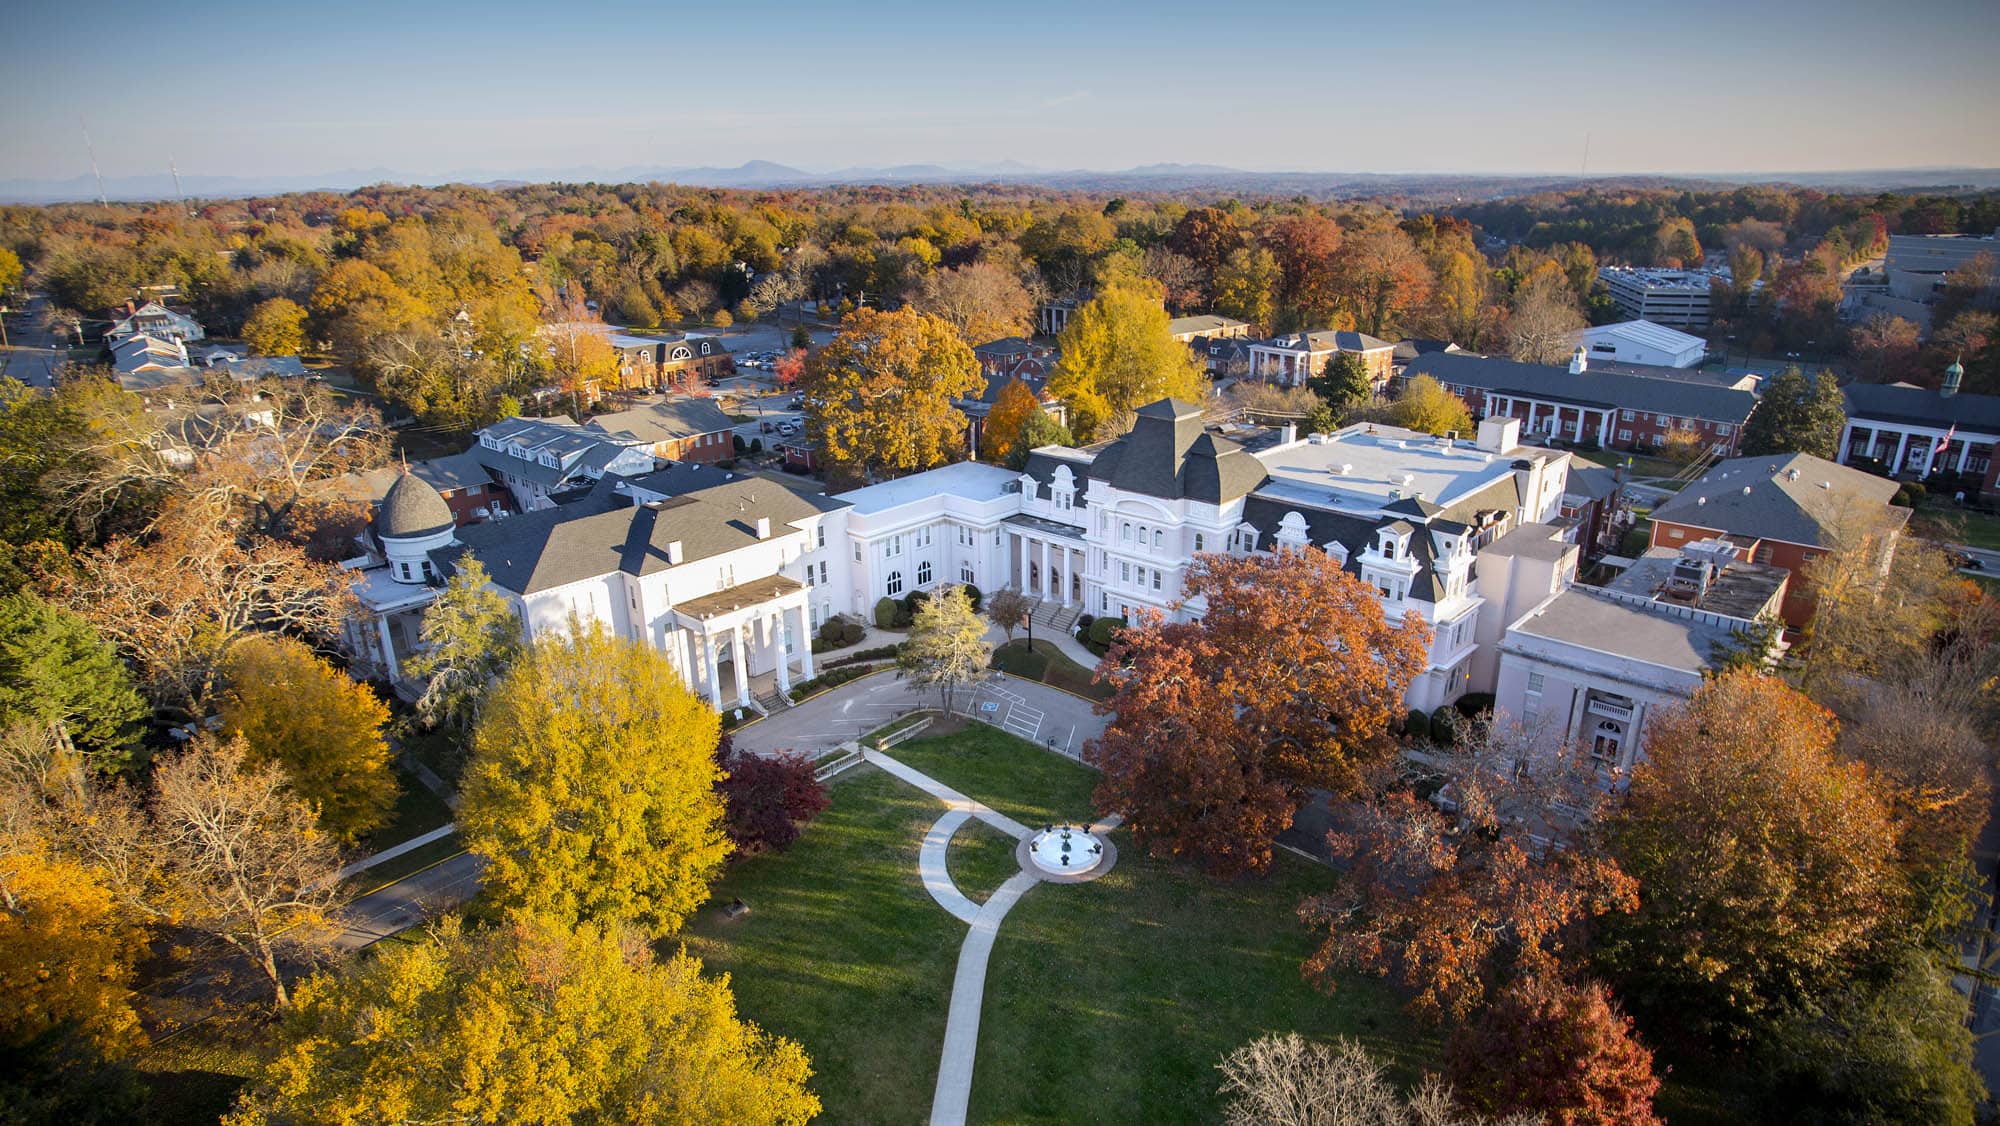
{"points": [[1915, 431], [729, 575]]}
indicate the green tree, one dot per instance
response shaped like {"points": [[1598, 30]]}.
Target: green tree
{"points": [[1037, 431], [1675, 245], [1798, 413], [1117, 355], [591, 788], [1344, 383], [276, 328], [320, 726], [947, 645], [1425, 405], [532, 1022], [470, 638], [55, 671]]}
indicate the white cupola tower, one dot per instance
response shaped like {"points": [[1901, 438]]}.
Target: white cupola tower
{"points": [[413, 521]]}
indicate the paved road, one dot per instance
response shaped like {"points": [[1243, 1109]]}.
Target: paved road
{"points": [[29, 356], [409, 902], [1033, 711]]}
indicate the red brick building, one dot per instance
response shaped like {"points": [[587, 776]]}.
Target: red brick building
{"points": [[1782, 510], [1613, 406], [678, 429]]}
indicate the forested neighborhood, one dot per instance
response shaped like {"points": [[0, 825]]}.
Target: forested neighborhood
{"points": [[916, 644]]}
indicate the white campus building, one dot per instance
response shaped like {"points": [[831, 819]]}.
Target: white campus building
{"points": [[729, 574]]}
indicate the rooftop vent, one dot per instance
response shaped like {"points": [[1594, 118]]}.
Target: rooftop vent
{"points": [[1791, 474], [1346, 469], [1746, 490], [674, 554]]}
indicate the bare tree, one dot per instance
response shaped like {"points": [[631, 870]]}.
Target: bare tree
{"points": [[177, 602], [1291, 1081], [1545, 320], [983, 301], [242, 454], [1008, 609], [251, 866]]}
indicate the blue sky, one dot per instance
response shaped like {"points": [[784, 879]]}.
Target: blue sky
{"points": [[430, 89]]}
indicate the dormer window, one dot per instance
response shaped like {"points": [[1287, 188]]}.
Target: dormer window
{"points": [[1337, 552]]}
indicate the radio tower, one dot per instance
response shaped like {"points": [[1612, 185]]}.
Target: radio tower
{"points": [[178, 197], [92, 149]]}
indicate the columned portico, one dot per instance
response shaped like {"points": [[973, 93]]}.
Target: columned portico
{"points": [[1048, 554], [754, 620]]}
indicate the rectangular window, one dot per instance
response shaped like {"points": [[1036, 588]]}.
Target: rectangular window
{"points": [[857, 553], [1124, 571], [1535, 682], [1156, 580], [1197, 541], [819, 535], [1625, 435], [1723, 428]]}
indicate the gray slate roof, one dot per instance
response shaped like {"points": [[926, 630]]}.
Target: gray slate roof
{"points": [[1797, 498], [1921, 406], [665, 421], [1596, 387], [604, 532], [1169, 455]]}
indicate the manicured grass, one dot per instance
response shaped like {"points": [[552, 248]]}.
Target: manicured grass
{"points": [[417, 812], [1642, 465], [196, 1073], [1951, 524], [981, 859], [1158, 968], [1048, 665], [843, 950]]}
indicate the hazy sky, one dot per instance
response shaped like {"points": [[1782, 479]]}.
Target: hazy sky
{"points": [[429, 89]]}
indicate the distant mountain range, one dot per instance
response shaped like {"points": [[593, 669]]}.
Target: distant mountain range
{"points": [[764, 174]]}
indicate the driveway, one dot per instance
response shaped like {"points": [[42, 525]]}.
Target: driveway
{"points": [[408, 902], [32, 353], [1032, 711]]}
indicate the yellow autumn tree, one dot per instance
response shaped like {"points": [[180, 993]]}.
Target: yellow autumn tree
{"points": [[533, 1023], [591, 787], [1425, 405], [1118, 354], [66, 951], [879, 396], [1012, 408], [321, 727]]}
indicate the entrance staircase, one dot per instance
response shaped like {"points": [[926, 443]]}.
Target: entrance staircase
{"points": [[1052, 617], [771, 701]]}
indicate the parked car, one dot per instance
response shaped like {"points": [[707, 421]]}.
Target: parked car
{"points": [[788, 428]]}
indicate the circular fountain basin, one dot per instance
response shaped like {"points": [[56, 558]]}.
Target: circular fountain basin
{"points": [[1065, 850]]}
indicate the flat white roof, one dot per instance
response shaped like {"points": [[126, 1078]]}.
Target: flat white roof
{"points": [[1355, 469], [1647, 334], [968, 480]]}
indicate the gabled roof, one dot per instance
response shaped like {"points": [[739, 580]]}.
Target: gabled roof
{"points": [[1921, 406], [1009, 346], [1592, 481], [1796, 498], [1646, 334], [1168, 455], [605, 532], [1336, 339], [1205, 323], [1623, 389], [665, 421]]}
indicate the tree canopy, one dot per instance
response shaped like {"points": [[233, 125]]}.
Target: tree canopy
{"points": [[471, 637], [879, 397], [947, 646], [532, 1022], [1425, 405], [1288, 681], [591, 787], [1117, 356], [1344, 383], [56, 671], [1797, 413], [322, 727]]}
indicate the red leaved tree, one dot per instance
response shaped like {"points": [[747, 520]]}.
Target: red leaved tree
{"points": [[1452, 902], [767, 799], [1288, 682], [1562, 1051]]}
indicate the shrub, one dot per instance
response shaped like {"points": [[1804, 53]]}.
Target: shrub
{"points": [[1444, 727], [1417, 725], [1910, 495], [914, 601], [767, 799], [1473, 704], [830, 631], [1635, 542], [973, 596], [878, 653], [851, 633], [1101, 629], [756, 445], [885, 613], [832, 678], [737, 444], [1083, 623]]}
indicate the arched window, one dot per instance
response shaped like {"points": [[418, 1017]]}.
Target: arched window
{"points": [[895, 583], [924, 573]]}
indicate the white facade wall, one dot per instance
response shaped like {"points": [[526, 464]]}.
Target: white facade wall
{"points": [[1558, 692]]}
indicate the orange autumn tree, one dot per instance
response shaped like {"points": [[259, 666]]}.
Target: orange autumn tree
{"points": [[1220, 727], [879, 396], [1558, 1050], [1012, 408], [1766, 862], [1451, 904]]}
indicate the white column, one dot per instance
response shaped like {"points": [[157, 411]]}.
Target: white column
{"points": [[714, 674], [1023, 587], [1902, 439], [1045, 568], [1067, 566], [1846, 437], [1964, 448], [388, 647], [805, 648], [777, 622], [742, 663]]}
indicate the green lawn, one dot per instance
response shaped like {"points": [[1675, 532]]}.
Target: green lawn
{"points": [[981, 859], [1159, 968], [1049, 665], [1642, 465], [1951, 524]]}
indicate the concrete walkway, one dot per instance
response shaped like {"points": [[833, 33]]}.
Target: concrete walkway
{"points": [[968, 984], [1035, 712]]}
